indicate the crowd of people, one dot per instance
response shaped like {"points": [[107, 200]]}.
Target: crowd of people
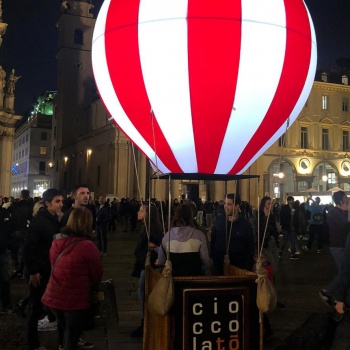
{"points": [[54, 242]]}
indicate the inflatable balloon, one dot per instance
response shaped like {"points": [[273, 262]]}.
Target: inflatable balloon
{"points": [[204, 86]]}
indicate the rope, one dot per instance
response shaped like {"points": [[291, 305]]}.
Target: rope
{"points": [[139, 190]]}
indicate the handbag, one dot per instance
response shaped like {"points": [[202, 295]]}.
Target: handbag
{"points": [[103, 300], [266, 298], [162, 296]]}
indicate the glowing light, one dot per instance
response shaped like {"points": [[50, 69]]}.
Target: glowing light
{"points": [[204, 87]]}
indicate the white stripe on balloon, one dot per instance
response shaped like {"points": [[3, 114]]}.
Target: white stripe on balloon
{"points": [[166, 80], [261, 63], [106, 88], [302, 98]]}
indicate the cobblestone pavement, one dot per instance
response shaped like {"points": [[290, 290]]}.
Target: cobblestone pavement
{"points": [[297, 283]]}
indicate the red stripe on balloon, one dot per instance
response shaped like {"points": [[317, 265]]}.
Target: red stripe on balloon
{"points": [[294, 73], [214, 39], [123, 60]]}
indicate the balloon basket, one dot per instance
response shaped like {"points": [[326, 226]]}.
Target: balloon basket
{"points": [[208, 310]]}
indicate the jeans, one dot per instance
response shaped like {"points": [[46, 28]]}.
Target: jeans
{"points": [[101, 231], [289, 236], [70, 324], [4, 282], [315, 230], [338, 256]]}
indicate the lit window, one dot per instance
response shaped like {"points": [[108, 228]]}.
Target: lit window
{"points": [[43, 150], [324, 102], [331, 178]]}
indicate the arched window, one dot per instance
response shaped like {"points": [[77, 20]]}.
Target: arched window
{"points": [[78, 37]]}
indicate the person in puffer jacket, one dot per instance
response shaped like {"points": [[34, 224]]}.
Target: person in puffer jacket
{"points": [[188, 247], [72, 276]]}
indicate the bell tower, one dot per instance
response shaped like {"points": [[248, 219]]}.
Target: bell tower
{"points": [[75, 85]]}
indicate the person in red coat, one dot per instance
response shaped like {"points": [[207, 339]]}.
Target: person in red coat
{"points": [[73, 275]]}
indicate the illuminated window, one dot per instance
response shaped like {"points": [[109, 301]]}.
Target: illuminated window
{"points": [[324, 102], [78, 37], [345, 140], [345, 105], [331, 178], [303, 137], [325, 143], [43, 150]]}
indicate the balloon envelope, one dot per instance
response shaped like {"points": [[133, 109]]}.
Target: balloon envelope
{"points": [[204, 86]]}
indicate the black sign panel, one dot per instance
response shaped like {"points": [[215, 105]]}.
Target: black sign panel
{"points": [[216, 316], [213, 319]]}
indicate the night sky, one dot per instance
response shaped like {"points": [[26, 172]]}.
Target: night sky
{"points": [[31, 42]]}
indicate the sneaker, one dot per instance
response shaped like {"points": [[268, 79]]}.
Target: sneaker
{"points": [[82, 344], [305, 247], [326, 298], [45, 325], [318, 251], [293, 257], [305, 238], [297, 252]]}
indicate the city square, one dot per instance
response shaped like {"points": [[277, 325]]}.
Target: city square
{"points": [[160, 104]]}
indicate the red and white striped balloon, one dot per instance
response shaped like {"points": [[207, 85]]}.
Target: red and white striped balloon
{"points": [[204, 86]]}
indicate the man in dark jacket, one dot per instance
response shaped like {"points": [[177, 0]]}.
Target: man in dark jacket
{"points": [[21, 215], [4, 276], [103, 216], [289, 222], [232, 234], [37, 261], [339, 227]]}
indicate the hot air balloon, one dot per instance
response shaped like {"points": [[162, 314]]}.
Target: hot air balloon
{"points": [[204, 86]]}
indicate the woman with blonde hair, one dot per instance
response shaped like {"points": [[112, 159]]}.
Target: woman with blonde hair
{"points": [[76, 267]]}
